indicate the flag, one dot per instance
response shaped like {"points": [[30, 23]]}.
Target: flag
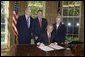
{"points": [[14, 19]]}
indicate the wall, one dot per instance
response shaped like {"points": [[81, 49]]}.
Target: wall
{"points": [[51, 11], [81, 36]]}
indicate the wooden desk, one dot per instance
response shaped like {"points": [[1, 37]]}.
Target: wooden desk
{"points": [[32, 50]]}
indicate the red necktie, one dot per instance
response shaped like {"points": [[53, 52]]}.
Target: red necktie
{"points": [[40, 22]]}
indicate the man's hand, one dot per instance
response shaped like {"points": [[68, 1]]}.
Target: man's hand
{"points": [[38, 43], [36, 38], [53, 43], [66, 42]]}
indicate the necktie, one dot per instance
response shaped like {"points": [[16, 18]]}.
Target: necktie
{"points": [[28, 22], [49, 36], [40, 22]]}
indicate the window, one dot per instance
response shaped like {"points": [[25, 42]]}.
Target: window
{"points": [[35, 6], [71, 16], [4, 23]]}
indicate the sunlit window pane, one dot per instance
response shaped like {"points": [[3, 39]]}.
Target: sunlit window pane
{"points": [[71, 11], [2, 37], [65, 11], [2, 19], [2, 27], [77, 11]]}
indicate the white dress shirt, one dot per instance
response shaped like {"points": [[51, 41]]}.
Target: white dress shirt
{"points": [[57, 25]]}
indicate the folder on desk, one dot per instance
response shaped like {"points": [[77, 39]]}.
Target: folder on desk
{"points": [[50, 47], [45, 48], [55, 46]]}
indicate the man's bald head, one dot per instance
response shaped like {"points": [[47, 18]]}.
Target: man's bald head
{"points": [[49, 28]]}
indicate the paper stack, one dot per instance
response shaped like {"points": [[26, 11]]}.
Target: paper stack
{"points": [[45, 48], [55, 46], [52, 46]]}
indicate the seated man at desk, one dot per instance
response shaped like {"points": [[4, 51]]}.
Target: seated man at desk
{"points": [[47, 37]]}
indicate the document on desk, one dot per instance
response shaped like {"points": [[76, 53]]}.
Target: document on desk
{"points": [[55, 46], [45, 48]]}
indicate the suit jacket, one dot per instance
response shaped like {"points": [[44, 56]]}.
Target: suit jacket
{"points": [[37, 29], [24, 33], [59, 33], [44, 38]]}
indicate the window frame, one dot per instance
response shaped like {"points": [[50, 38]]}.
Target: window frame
{"points": [[73, 19]]}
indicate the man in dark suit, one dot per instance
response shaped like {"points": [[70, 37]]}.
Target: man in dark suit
{"points": [[47, 37], [24, 27], [40, 24], [59, 30]]}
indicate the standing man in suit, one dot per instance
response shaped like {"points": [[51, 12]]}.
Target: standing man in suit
{"points": [[24, 27], [47, 37], [59, 30], [40, 25]]}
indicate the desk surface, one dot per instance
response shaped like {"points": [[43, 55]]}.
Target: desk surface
{"points": [[32, 50]]}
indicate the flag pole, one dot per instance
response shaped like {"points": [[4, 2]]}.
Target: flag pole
{"points": [[14, 23]]}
